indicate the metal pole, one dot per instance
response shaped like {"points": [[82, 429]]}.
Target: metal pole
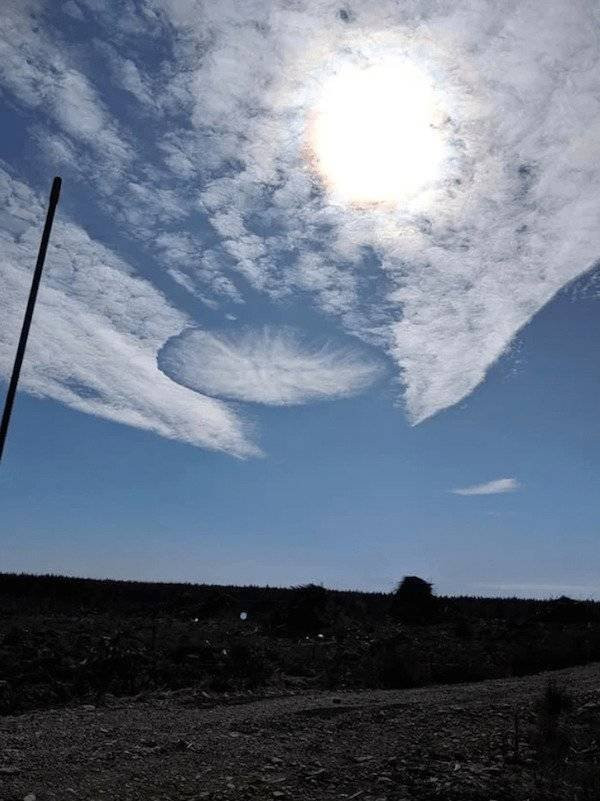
{"points": [[37, 275]]}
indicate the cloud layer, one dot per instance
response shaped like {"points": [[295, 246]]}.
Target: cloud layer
{"points": [[96, 331], [209, 164], [512, 218], [498, 486], [274, 366]]}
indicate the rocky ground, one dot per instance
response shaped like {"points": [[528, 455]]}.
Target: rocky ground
{"points": [[474, 741]]}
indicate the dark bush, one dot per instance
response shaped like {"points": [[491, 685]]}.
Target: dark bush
{"points": [[306, 611], [413, 601], [553, 733], [554, 702]]}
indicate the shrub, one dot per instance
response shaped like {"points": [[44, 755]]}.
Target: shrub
{"points": [[305, 612], [413, 601], [554, 702], [552, 733]]}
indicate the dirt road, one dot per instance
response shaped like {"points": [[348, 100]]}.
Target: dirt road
{"points": [[453, 742]]}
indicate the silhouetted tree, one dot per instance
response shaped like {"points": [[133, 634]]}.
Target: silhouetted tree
{"points": [[413, 601]]}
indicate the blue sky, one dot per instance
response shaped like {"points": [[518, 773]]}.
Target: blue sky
{"points": [[254, 359]]}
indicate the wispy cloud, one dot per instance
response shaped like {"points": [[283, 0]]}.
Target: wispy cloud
{"points": [[72, 9], [495, 487], [34, 68], [274, 366], [97, 330], [128, 75], [512, 219], [209, 171]]}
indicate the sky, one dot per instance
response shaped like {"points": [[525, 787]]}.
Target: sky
{"points": [[321, 302]]}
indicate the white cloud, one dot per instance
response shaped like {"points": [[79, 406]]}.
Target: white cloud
{"points": [[513, 218], [275, 366], [443, 284], [179, 252], [96, 331], [34, 68], [128, 75], [498, 486]]}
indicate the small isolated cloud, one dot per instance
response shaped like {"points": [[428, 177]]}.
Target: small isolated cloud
{"points": [[274, 366], [496, 487]]}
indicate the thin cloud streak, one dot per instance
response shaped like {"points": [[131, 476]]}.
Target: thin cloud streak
{"points": [[496, 487]]}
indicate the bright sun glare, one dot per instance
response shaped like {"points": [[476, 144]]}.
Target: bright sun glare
{"points": [[373, 134]]}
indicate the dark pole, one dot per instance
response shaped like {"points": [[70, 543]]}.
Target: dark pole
{"points": [[35, 284]]}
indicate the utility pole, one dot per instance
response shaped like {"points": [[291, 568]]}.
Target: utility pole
{"points": [[35, 284]]}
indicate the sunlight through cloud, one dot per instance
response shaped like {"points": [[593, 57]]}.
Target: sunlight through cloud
{"points": [[374, 134]]}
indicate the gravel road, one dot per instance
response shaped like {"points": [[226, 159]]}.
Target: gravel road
{"points": [[451, 742]]}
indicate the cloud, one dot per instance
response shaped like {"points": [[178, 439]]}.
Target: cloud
{"points": [[499, 485], [34, 68], [128, 75], [72, 9], [96, 332], [274, 366], [217, 178], [461, 269]]}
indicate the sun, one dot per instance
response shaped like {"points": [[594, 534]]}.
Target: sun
{"points": [[374, 137]]}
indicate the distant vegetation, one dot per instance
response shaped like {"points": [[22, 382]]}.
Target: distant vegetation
{"points": [[65, 640]]}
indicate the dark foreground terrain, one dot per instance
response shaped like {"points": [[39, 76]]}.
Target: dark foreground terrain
{"points": [[125, 690], [520, 738], [67, 642]]}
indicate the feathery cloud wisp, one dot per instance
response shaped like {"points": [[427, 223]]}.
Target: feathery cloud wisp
{"points": [[97, 330], [495, 487], [274, 366], [39, 73]]}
